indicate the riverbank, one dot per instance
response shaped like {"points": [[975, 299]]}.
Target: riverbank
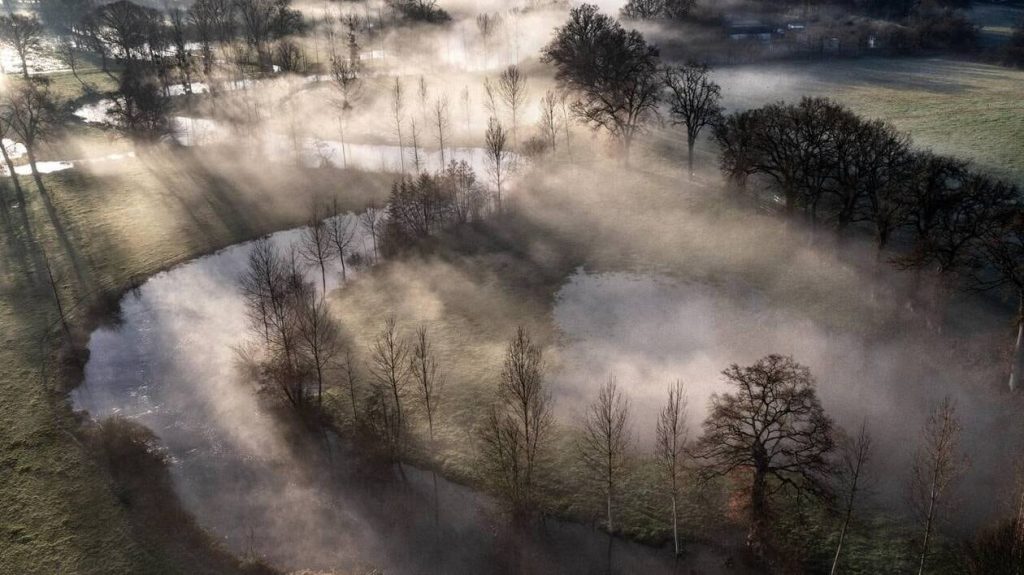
{"points": [[128, 222]]}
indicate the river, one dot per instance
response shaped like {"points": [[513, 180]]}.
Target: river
{"points": [[170, 365]]}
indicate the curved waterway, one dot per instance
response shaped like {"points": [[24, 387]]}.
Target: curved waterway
{"points": [[170, 365]]}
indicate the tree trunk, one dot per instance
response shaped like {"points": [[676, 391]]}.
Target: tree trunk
{"points": [[1017, 364], [56, 295], [689, 156], [675, 524], [755, 537], [929, 520], [842, 537], [611, 528], [14, 175], [35, 171], [319, 385]]}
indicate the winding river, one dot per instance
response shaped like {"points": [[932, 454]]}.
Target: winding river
{"points": [[170, 365]]}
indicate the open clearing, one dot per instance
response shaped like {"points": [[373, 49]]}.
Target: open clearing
{"points": [[966, 109]]}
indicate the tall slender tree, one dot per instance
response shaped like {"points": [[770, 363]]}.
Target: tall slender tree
{"points": [[670, 449], [316, 247], [937, 465], [390, 370], [856, 454], [513, 89], [318, 338], [605, 441], [425, 367], [519, 426], [498, 157]]}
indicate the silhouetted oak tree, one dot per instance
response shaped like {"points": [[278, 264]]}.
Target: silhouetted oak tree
{"points": [[694, 102], [772, 430]]}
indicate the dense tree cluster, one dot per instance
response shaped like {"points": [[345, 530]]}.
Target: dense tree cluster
{"points": [[298, 338], [838, 168], [428, 203], [657, 9], [135, 34], [420, 11]]}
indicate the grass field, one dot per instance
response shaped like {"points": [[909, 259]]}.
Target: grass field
{"points": [[971, 110], [132, 219], [60, 511]]}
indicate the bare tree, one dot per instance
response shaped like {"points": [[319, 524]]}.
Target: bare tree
{"points": [[498, 156], [424, 96], [513, 90], [549, 121], [316, 247], [318, 337], [414, 133], [351, 381], [466, 109], [348, 90], [563, 105], [424, 366], [6, 131], [398, 116], [273, 287], [122, 27], [67, 51], [201, 16], [390, 370], [491, 99], [260, 284], [670, 449], [468, 196], [370, 220], [605, 441], [23, 34], [855, 455], [214, 24], [32, 110], [937, 466], [1001, 265], [486, 24], [643, 9], [693, 101], [341, 229], [179, 37], [261, 22], [518, 426], [611, 71], [774, 428], [441, 123], [141, 112]]}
